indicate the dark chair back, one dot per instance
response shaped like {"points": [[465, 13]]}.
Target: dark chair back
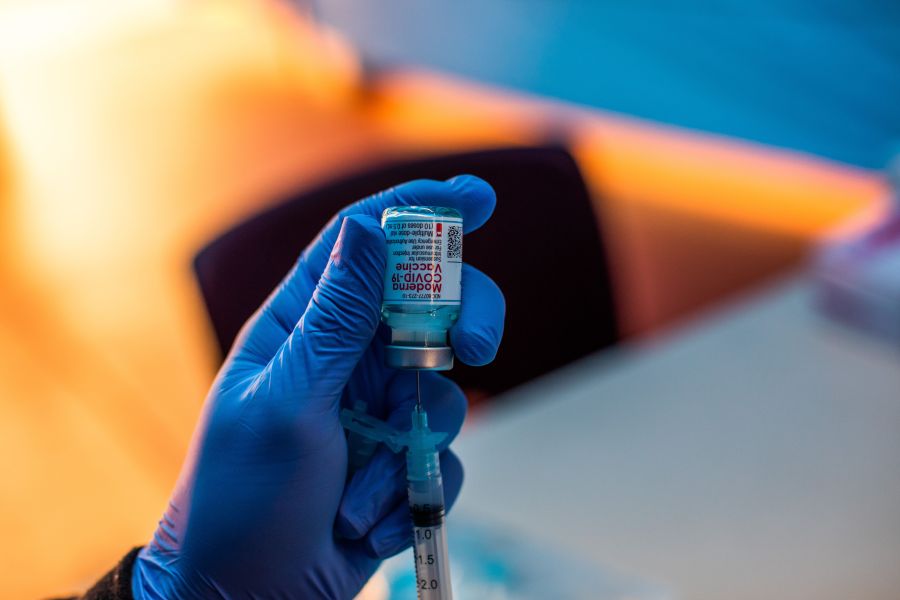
{"points": [[541, 247]]}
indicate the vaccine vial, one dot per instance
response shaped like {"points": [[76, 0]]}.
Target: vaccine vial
{"points": [[422, 285]]}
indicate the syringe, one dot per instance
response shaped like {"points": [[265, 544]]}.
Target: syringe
{"points": [[425, 490], [426, 505], [421, 303]]}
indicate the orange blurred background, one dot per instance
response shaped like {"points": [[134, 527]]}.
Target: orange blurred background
{"points": [[133, 132]]}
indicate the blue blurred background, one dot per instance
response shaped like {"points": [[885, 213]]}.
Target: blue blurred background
{"points": [[816, 76]]}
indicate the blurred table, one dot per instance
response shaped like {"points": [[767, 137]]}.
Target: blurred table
{"points": [[755, 454]]}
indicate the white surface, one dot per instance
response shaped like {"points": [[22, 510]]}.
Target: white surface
{"points": [[753, 455]]}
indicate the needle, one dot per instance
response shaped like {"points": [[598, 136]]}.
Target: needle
{"points": [[418, 390]]}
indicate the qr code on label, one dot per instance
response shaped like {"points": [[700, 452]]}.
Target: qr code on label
{"points": [[454, 242]]}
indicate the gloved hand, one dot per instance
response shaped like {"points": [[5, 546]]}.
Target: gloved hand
{"points": [[262, 508]]}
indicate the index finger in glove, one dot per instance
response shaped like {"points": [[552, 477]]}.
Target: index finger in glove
{"points": [[473, 197]]}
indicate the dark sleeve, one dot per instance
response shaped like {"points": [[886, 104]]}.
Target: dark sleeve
{"points": [[115, 585]]}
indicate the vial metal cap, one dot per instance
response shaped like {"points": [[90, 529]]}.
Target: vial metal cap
{"points": [[426, 358]]}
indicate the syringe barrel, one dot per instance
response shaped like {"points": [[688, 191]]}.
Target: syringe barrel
{"points": [[426, 504], [426, 499]]}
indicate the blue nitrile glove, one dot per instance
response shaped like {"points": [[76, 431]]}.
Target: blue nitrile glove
{"points": [[262, 508]]}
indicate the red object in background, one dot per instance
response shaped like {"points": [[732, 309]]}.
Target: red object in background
{"points": [[438, 228]]}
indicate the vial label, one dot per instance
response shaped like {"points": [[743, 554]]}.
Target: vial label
{"points": [[424, 260]]}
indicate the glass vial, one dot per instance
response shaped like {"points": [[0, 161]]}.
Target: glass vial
{"points": [[422, 285]]}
